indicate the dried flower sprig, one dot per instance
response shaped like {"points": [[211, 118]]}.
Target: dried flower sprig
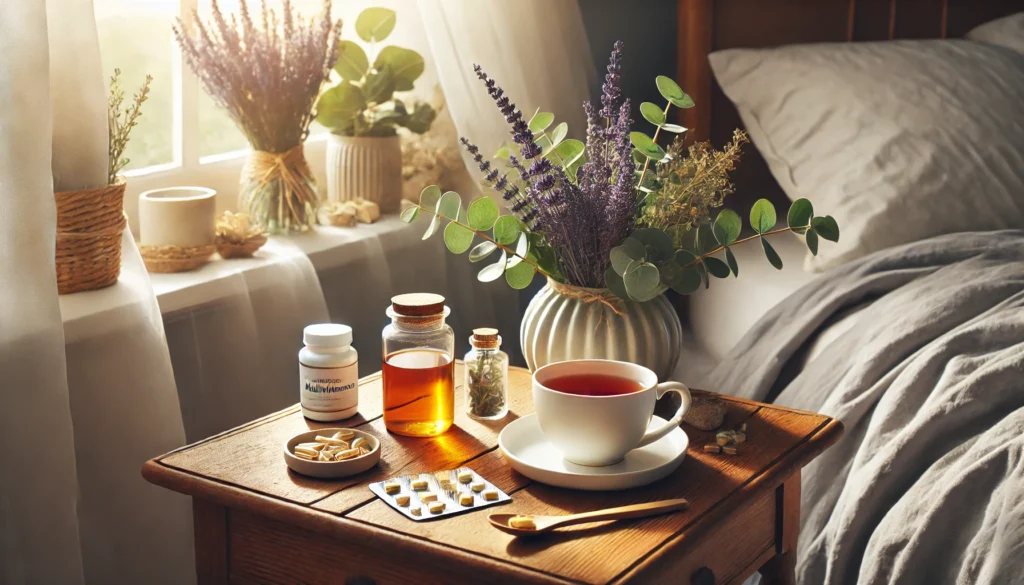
{"points": [[121, 122], [691, 183], [266, 76]]}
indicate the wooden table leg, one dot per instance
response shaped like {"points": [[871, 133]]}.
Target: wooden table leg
{"points": [[211, 534], [781, 570]]}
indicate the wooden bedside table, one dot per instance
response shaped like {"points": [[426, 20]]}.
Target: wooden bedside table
{"points": [[258, 522]]}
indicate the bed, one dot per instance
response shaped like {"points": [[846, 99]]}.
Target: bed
{"points": [[716, 320], [911, 329]]}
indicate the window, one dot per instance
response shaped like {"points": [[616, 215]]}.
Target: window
{"points": [[183, 137]]}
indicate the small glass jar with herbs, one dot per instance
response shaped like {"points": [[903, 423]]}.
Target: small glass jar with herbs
{"points": [[486, 376]]}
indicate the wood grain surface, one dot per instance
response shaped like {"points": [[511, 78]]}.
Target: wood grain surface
{"points": [[244, 471]]}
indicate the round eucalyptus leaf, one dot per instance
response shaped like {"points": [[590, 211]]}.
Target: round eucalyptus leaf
{"points": [[771, 254], [352, 62], [522, 250], [492, 272], [568, 152], [449, 205], [410, 214], [646, 146], [671, 91], [716, 267], [503, 153], [435, 223], [375, 24], [686, 258], [658, 245], [405, 65], [638, 158], [482, 250], [629, 250], [457, 238], [811, 238], [520, 276], [727, 227], [673, 128], [730, 259], [687, 281], [642, 282], [506, 230], [762, 216], [482, 214], [826, 227], [614, 282], [429, 197], [558, 134], [540, 121], [652, 113], [800, 213]]}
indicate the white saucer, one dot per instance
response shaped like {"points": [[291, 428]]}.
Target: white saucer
{"points": [[528, 452]]}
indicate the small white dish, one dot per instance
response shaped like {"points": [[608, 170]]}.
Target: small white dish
{"points": [[331, 469], [524, 447]]}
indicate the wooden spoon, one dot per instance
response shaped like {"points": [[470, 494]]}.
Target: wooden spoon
{"points": [[547, 523]]}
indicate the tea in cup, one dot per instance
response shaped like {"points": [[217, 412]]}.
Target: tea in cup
{"points": [[596, 411]]}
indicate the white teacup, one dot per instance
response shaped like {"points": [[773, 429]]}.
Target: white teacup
{"points": [[600, 430]]}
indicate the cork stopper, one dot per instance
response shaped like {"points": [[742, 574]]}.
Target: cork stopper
{"points": [[417, 304], [486, 338]]}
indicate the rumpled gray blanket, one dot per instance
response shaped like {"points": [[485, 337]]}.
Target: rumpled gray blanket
{"points": [[927, 484]]}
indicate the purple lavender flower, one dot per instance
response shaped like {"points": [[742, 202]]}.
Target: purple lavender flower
{"points": [[582, 220]]}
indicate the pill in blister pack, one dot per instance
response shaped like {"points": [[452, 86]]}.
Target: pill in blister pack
{"points": [[428, 496]]}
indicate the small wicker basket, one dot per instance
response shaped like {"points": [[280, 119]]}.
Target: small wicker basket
{"points": [[89, 228]]}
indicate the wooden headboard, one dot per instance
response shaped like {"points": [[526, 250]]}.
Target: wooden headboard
{"points": [[713, 25]]}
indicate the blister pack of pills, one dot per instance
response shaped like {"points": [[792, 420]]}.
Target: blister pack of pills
{"points": [[429, 496]]}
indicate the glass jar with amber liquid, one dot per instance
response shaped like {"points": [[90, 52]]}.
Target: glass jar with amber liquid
{"points": [[419, 367]]}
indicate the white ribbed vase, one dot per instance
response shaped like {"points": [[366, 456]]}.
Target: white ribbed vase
{"points": [[558, 327], [365, 166]]}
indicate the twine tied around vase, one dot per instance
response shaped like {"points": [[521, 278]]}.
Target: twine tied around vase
{"points": [[590, 295], [281, 180]]}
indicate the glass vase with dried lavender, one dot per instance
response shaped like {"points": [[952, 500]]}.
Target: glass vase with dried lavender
{"points": [[617, 220], [267, 74]]}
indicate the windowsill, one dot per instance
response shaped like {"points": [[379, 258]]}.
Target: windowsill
{"points": [[90, 313]]}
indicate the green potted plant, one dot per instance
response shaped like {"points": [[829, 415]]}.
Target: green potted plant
{"points": [[612, 224], [364, 157]]}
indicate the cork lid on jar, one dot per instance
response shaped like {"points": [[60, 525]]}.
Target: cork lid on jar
{"points": [[485, 338], [417, 304]]}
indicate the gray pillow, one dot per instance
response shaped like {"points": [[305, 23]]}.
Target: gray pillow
{"points": [[899, 140], [1005, 32]]}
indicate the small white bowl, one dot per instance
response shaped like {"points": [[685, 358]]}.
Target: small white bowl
{"points": [[331, 469]]}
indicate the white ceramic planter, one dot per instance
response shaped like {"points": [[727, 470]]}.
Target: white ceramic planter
{"points": [[177, 216], [367, 167], [557, 327]]}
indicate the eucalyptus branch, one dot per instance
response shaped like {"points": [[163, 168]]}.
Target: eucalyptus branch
{"points": [[698, 259], [486, 237], [647, 161]]}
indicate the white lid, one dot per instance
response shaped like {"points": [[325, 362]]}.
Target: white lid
{"points": [[327, 335]]}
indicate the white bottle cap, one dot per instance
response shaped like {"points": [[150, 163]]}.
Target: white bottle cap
{"points": [[327, 335]]}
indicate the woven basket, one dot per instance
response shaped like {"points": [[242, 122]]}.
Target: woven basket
{"points": [[243, 250], [167, 259], [89, 228]]}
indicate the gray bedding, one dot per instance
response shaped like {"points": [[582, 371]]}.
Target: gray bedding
{"points": [[927, 484]]}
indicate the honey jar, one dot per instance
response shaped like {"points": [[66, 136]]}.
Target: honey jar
{"points": [[418, 366]]}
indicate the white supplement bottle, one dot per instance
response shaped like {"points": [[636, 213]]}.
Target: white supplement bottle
{"points": [[328, 373]]}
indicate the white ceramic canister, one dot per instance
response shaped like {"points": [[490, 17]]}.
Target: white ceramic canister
{"points": [[328, 373], [178, 216]]}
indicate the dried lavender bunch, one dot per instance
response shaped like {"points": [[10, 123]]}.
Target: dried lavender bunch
{"points": [[266, 76], [122, 122]]}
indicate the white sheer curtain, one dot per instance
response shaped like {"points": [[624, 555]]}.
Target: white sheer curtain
{"points": [[76, 420], [536, 50]]}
